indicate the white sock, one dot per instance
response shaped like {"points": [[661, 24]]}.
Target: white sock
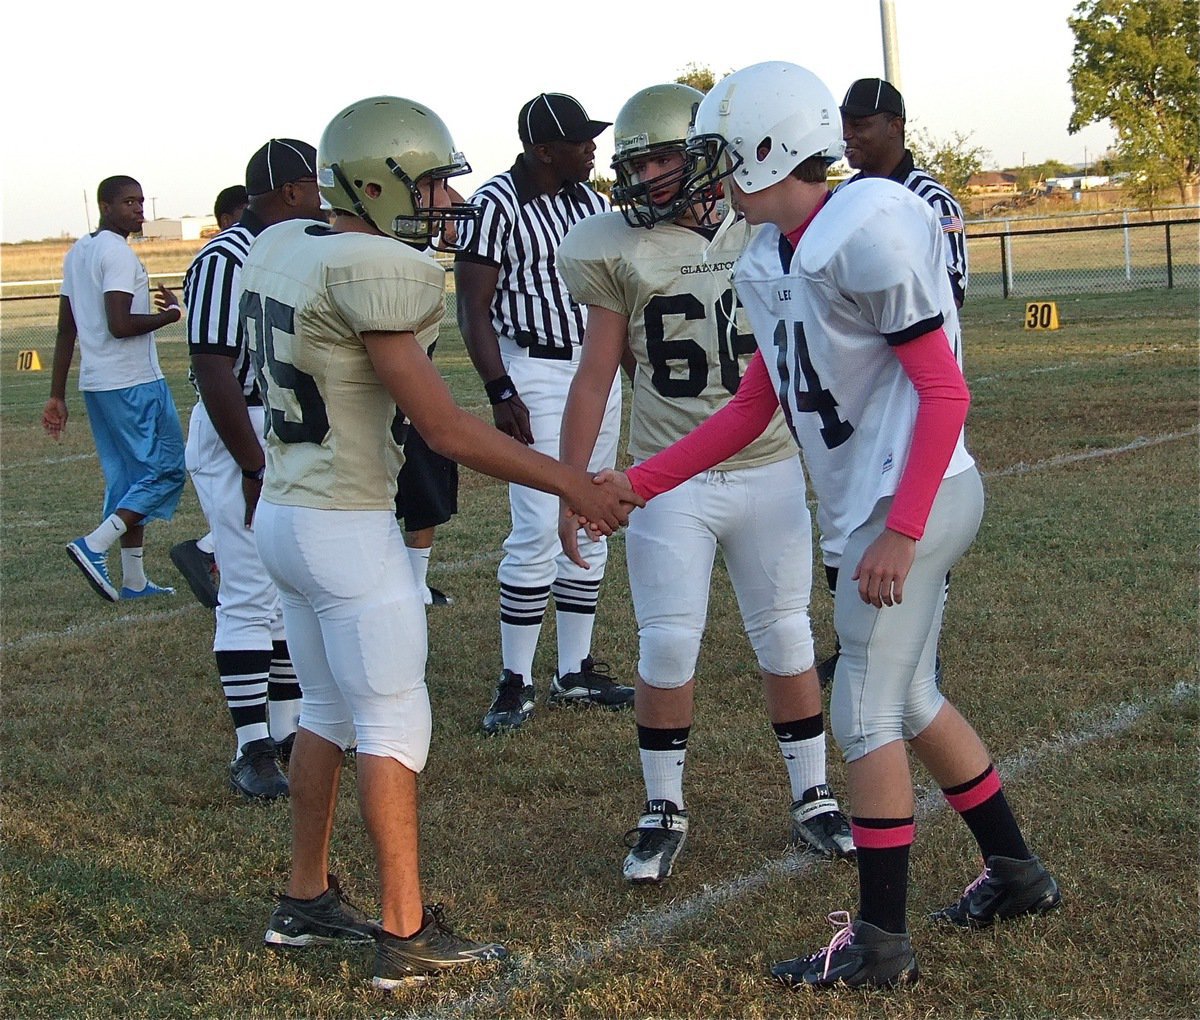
{"points": [[575, 614], [111, 528], [574, 640], [419, 560], [206, 544], [521, 613], [662, 772], [805, 760], [517, 646], [133, 575]]}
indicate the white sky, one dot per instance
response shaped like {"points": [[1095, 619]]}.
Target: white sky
{"points": [[180, 95]]}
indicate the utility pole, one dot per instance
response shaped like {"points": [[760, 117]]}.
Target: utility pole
{"points": [[891, 44], [87, 210], [153, 207]]}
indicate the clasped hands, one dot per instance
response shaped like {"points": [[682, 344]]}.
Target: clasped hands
{"points": [[599, 511]]}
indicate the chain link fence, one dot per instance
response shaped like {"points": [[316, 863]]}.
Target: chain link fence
{"points": [[1107, 258], [1006, 260]]}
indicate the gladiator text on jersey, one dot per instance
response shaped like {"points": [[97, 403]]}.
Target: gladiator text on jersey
{"points": [[705, 267]]}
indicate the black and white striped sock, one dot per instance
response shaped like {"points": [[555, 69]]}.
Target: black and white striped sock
{"points": [[283, 693], [521, 614], [244, 681], [575, 617]]}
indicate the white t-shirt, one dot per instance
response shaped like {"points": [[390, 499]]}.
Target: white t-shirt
{"points": [[97, 264], [868, 274]]}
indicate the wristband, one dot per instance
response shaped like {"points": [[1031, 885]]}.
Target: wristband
{"points": [[500, 390], [254, 476], [174, 308]]}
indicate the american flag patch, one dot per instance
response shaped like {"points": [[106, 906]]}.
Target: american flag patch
{"points": [[951, 224]]}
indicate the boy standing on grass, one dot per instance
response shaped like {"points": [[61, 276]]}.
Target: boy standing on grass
{"points": [[643, 276], [856, 325], [105, 304], [339, 319]]}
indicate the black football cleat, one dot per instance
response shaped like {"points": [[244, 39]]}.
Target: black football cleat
{"points": [[1007, 888], [511, 706], [330, 918], [592, 685], [820, 827], [860, 956], [430, 951], [255, 772]]}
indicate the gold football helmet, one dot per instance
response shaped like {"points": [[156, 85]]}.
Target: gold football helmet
{"points": [[379, 157], [653, 122]]}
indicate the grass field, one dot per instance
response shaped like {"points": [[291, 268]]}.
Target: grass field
{"points": [[135, 884], [43, 260]]}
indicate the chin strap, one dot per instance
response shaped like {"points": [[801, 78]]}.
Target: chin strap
{"points": [[732, 217], [359, 208]]}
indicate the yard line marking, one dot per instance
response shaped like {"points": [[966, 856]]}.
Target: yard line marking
{"points": [[1042, 370], [48, 460], [1021, 468], [77, 630], [651, 926]]}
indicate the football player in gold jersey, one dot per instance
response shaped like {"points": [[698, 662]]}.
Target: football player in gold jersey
{"points": [[338, 319], [655, 283]]}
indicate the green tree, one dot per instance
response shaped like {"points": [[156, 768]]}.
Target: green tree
{"points": [[1135, 65], [952, 161], [698, 76], [602, 184]]}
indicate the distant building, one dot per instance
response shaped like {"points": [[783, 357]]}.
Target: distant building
{"points": [[992, 182], [182, 228], [1078, 182]]}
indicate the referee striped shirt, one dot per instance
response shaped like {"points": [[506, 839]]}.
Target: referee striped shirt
{"points": [[211, 292], [519, 232], [949, 212]]}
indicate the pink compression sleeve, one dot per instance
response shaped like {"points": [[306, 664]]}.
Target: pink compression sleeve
{"points": [[731, 429], [943, 399]]}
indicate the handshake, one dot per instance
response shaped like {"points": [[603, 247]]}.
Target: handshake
{"points": [[599, 510]]}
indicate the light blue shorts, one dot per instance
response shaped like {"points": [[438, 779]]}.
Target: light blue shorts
{"points": [[140, 445]]}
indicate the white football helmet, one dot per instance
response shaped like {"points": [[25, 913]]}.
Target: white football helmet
{"points": [[760, 123]]}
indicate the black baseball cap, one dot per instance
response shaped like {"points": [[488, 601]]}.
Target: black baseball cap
{"points": [[554, 117], [869, 96], [280, 161]]}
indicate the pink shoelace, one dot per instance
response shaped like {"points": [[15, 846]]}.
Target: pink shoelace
{"points": [[844, 923], [984, 876]]}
